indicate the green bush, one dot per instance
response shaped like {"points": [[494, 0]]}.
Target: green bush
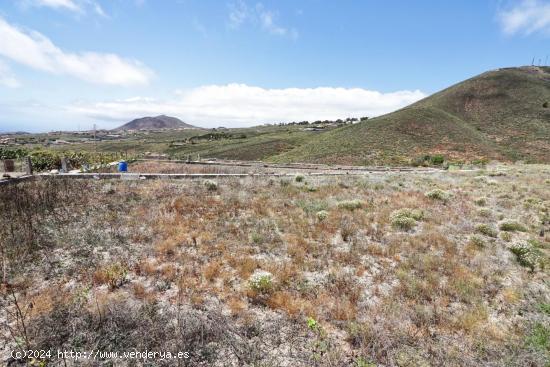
{"points": [[13, 153], [512, 227], [211, 185], [406, 218], [438, 194], [527, 255], [484, 212], [45, 160], [486, 230], [322, 215], [506, 236], [428, 160], [261, 282], [437, 160], [480, 201], [299, 178], [545, 105], [477, 241], [540, 337], [312, 206], [350, 204]]}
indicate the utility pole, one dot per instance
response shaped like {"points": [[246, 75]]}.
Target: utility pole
{"points": [[95, 141], [533, 62]]}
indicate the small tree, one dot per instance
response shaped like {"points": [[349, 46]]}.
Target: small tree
{"points": [[545, 105]]}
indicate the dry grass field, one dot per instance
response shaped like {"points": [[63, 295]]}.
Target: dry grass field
{"points": [[385, 269]]}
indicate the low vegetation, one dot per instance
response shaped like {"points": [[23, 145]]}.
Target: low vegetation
{"points": [[361, 271]]}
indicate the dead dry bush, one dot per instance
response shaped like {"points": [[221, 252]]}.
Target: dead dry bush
{"points": [[209, 337], [29, 212]]}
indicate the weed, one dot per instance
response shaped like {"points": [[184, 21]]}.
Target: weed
{"points": [[527, 255], [211, 185], [261, 282], [486, 230], [321, 215], [477, 242], [438, 194], [544, 308], [350, 204], [406, 218], [512, 227], [482, 201], [540, 337], [113, 275], [506, 236], [312, 206]]}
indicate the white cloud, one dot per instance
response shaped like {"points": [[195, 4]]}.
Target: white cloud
{"points": [[240, 13], [57, 4], [33, 49], [242, 105], [7, 79], [527, 17], [75, 6]]}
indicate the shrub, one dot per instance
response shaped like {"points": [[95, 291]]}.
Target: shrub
{"points": [[506, 236], [261, 282], [480, 201], [545, 105], [526, 255], [438, 194], [312, 206], [348, 228], [350, 204], [406, 218], [405, 223], [322, 215], [299, 178], [544, 308], [211, 185], [484, 212], [540, 337], [512, 227], [477, 241], [437, 160], [427, 160], [486, 230], [114, 275]]}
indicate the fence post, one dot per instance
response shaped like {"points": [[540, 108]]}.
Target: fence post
{"points": [[9, 165], [28, 165], [64, 165]]}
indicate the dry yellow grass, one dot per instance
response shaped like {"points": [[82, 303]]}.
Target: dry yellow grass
{"points": [[369, 286]]}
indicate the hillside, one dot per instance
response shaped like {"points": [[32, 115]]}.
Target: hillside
{"points": [[497, 115], [154, 123]]}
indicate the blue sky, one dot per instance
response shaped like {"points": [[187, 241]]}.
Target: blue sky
{"points": [[66, 64]]}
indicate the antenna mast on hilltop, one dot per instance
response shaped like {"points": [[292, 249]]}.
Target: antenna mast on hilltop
{"points": [[533, 62]]}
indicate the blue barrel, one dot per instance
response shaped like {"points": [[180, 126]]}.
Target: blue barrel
{"points": [[122, 166]]}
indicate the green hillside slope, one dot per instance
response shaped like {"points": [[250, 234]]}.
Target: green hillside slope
{"points": [[496, 115]]}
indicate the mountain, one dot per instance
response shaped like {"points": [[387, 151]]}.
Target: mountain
{"points": [[155, 123], [501, 114]]}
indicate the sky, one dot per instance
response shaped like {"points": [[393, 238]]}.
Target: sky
{"points": [[70, 64]]}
